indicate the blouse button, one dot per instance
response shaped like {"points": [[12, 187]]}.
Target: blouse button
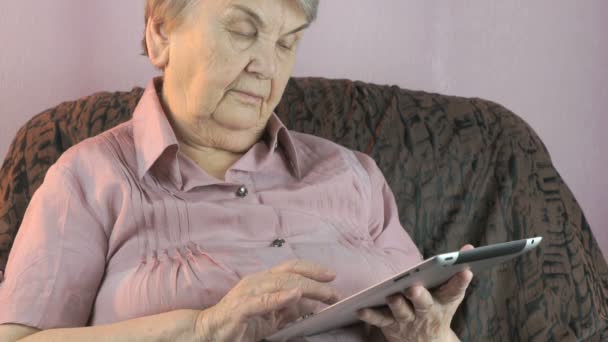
{"points": [[242, 191], [278, 243]]}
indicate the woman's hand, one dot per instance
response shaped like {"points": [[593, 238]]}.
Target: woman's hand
{"points": [[421, 316], [262, 303]]}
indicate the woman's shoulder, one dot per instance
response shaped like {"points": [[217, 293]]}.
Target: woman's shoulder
{"points": [[316, 150], [101, 153], [324, 147], [316, 145]]}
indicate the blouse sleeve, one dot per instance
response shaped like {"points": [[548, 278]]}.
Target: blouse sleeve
{"points": [[57, 260], [384, 226], [389, 238]]}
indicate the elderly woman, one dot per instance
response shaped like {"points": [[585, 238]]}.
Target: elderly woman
{"points": [[203, 218]]}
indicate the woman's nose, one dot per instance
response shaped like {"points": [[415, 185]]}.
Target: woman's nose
{"points": [[264, 61]]}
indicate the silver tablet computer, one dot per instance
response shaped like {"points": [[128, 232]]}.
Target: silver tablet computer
{"points": [[430, 273]]}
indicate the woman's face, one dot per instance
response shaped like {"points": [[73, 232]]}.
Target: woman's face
{"points": [[223, 49]]}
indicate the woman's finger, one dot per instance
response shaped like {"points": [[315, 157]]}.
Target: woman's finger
{"points": [[466, 247], [380, 318], [305, 269], [267, 303], [421, 300], [454, 290], [402, 310], [287, 315], [275, 282], [291, 313], [310, 289]]}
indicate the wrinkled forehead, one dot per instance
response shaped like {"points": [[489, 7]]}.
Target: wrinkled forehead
{"points": [[271, 8], [268, 14]]}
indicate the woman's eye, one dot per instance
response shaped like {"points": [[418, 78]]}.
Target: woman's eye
{"points": [[244, 34], [285, 46]]}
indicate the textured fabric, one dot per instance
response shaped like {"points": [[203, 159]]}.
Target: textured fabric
{"points": [[462, 170], [127, 206]]}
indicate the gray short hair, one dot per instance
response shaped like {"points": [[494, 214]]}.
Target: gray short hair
{"points": [[174, 11]]}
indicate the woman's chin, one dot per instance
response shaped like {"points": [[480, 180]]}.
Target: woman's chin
{"points": [[234, 126], [243, 120]]}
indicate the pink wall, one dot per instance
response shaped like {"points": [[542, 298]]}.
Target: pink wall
{"points": [[547, 60]]}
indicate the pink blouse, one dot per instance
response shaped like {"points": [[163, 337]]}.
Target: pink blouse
{"points": [[125, 225]]}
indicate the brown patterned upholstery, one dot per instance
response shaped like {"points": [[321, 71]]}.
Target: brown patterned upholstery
{"points": [[462, 170]]}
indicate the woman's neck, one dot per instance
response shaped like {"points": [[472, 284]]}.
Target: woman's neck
{"points": [[213, 161]]}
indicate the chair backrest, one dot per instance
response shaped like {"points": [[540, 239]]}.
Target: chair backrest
{"points": [[462, 170]]}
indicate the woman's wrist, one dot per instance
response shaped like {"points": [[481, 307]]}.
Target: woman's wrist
{"points": [[203, 327], [210, 326], [177, 325]]}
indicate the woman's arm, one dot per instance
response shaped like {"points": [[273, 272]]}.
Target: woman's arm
{"points": [[178, 325], [256, 307]]}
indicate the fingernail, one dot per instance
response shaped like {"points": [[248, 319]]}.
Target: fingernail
{"points": [[412, 293], [330, 273]]}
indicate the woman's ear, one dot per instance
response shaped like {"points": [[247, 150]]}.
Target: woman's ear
{"points": [[157, 41]]}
